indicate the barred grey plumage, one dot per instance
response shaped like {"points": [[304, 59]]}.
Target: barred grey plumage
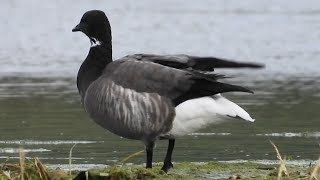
{"points": [[127, 113]]}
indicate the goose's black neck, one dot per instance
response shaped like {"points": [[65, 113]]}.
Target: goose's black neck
{"points": [[98, 58]]}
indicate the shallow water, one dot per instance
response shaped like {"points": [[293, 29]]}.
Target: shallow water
{"points": [[39, 56]]}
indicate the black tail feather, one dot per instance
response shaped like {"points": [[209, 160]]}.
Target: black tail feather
{"points": [[209, 63], [223, 87], [204, 87]]}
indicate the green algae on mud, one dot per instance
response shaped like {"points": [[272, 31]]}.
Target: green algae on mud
{"points": [[185, 170]]}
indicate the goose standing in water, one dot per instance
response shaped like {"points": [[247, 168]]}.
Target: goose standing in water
{"points": [[149, 97]]}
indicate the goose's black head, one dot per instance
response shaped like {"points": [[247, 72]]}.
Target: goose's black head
{"points": [[96, 26]]}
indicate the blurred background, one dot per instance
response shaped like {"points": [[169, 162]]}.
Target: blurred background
{"points": [[39, 58]]}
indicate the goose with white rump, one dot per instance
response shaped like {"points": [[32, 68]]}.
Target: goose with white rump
{"points": [[150, 97]]}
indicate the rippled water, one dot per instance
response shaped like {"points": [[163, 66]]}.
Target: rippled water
{"points": [[39, 56]]}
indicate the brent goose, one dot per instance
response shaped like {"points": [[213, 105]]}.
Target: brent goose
{"points": [[149, 97]]}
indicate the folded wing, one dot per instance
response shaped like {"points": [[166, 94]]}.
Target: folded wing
{"points": [[175, 84], [192, 62]]}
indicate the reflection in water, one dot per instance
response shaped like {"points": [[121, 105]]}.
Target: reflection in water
{"points": [[55, 142], [17, 150], [286, 134]]}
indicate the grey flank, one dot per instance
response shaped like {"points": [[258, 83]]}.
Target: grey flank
{"points": [[127, 113]]}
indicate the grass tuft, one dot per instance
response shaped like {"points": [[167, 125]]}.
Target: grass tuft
{"points": [[70, 158], [22, 158], [315, 172], [282, 167], [133, 155], [41, 169]]}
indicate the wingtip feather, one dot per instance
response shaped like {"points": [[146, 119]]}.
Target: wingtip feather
{"points": [[251, 120]]}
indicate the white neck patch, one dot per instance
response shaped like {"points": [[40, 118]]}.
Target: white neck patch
{"points": [[95, 43]]}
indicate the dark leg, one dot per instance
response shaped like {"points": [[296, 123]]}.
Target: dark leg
{"points": [[167, 164], [149, 149]]}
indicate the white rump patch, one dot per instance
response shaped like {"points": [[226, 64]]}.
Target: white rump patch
{"points": [[195, 114]]}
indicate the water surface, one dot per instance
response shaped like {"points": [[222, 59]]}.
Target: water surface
{"points": [[39, 56]]}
